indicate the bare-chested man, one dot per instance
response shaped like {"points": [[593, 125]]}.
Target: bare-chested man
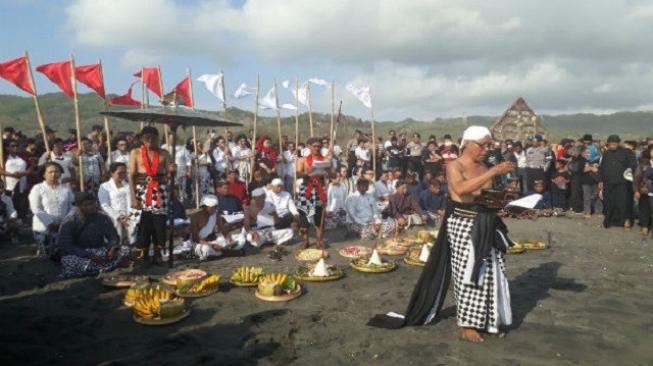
{"points": [[470, 249], [150, 170]]}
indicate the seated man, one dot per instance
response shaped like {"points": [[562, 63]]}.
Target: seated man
{"points": [[208, 232], [404, 207], [432, 201], [539, 188], [259, 222], [363, 216], [383, 190], [229, 206], [88, 240], [285, 213], [9, 224]]}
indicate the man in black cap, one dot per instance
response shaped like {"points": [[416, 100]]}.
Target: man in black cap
{"points": [[88, 240], [617, 191]]}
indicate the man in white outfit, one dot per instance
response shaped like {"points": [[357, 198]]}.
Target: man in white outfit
{"points": [[259, 222], [207, 231]]}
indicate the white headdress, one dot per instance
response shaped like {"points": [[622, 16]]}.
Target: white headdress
{"points": [[475, 133]]}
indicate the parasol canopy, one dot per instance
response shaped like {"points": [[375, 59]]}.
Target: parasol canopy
{"points": [[173, 116]]}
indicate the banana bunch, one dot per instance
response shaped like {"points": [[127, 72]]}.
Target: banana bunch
{"points": [[282, 280], [208, 284], [247, 274], [148, 304], [132, 295]]}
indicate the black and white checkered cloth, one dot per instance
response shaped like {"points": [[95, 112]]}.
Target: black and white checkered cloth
{"points": [[476, 305]]}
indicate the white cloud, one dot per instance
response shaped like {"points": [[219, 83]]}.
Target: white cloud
{"points": [[422, 58]]}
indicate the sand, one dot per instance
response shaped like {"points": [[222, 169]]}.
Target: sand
{"points": [[585, 301]]}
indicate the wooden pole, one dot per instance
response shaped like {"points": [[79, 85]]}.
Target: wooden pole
{"points": [[294, 182], [258, 86], [373, 144], [106, 119], [166, 129], [77, 125], [39, 115], [310, 108], [333, 112], [276, 101], [143, 93], [2, 152], [224, 96], [197, 155]]}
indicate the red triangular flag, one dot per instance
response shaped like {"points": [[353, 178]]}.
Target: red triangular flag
{"points": [[183, 90], [152, 80], [126, 99], [91, 76], [59, 73], [16, 72]]}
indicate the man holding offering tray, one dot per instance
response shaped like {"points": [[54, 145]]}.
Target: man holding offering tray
{"points": [[470, 248]]}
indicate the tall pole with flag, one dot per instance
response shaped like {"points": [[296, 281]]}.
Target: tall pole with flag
{"points": [[166, 130], [294, 182], [224, 95], [258, 86], [77, 124], [310, 108], [363, 94], [197, 155], [333, 112], [39, 114], [276, 101], [143, 93], [106, 119]]}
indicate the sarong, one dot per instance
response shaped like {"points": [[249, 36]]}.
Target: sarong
{"points": [[74, 266]]}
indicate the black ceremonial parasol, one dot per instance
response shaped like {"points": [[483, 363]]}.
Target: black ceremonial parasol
{"points": [[173, 117]]}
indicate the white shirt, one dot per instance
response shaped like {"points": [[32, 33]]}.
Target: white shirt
{"points": [[362, 153], [113, 200], [238, 152], [65, 161], [291, 159], [91, 165], [15, 164], [220, 158], [183, 159], [282, 202], [382, 189], [49, 205], [521, 159], [118, 157], [9, 205], [336, 198], [362, 210]]}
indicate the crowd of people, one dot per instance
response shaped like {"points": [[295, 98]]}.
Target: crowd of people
{"points": [[245, 192]]}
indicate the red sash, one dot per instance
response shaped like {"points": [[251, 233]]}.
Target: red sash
{"points": [[315, 182], [151, 169]]}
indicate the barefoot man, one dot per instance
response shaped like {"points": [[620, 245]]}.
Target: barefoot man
{"points": [[470, 248], [150, 169], [312, 197]]}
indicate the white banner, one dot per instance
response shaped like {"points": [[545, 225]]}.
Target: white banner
{"points": [[362, 93], [243, 91], [320, 82], [214, 84], [269, 101]]}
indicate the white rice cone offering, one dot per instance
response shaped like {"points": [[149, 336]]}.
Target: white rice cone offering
{"points": [[424, 253], [320, 269], [375, 259]]}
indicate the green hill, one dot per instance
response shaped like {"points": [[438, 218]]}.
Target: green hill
{"points": [[58, 113]]}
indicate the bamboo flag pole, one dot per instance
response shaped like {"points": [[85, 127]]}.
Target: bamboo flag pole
{"points": [[333, 111], [39, 115], [197, 155], [373, 144], [224, 96], [294, 182], [2, 153], [166, 130], [142, 93], [106, 119], [258, 86], [77, 125], [310, 108], [276, 102]]}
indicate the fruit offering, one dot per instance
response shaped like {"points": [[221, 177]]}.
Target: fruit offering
{"points": [[209, 284], [276, 284], [247, 275], [157, 302]]}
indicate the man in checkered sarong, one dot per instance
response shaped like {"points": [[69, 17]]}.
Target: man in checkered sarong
{"points": [[470, 248]]}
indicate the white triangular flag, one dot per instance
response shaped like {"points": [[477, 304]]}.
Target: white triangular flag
{"points": [[243, 91], [269, 101], [214, 84], [362, 94], [288, 106], [303, 92], [320, 82]]}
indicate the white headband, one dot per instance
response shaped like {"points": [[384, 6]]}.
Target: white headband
{"points": [[475, 133], [258, 192], [209, 200]]}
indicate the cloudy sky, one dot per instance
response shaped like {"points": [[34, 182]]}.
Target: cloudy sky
{"points": [[422, 58]]}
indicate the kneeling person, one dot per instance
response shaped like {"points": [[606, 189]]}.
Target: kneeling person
{"points": [[209, 233], [259, 222], [88, 240]]}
